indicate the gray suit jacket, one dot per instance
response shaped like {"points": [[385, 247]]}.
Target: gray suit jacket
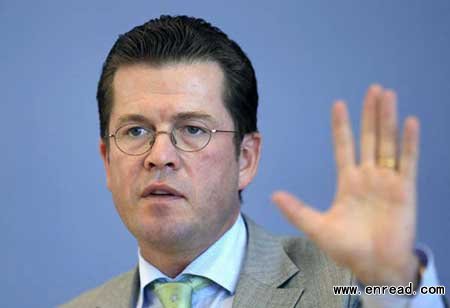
{"points": [[277, 272]]}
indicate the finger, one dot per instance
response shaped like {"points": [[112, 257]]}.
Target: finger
{"points": [[387, 127], [342, 137], [368, 125], [410, 148], [299, 214]]}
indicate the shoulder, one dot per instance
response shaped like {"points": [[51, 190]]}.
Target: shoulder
{"points": [[310, 260], [313, 261], [303, 251], [117, 292], [300, 250]]}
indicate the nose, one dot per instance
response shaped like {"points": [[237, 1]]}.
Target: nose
{"points": [[163, 153]]}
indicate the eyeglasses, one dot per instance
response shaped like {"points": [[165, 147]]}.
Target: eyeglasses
{"points": [[136, 140]]}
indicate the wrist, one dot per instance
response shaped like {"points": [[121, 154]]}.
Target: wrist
{"points": [[409, 272], [394, 274]]}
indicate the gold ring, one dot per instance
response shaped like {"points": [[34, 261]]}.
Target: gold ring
{"points": [[387, 162]]}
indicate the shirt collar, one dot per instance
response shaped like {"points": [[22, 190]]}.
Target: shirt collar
{"points": [[220, 263]]}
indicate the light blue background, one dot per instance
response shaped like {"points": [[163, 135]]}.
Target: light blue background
{"points": [[59, 230]]}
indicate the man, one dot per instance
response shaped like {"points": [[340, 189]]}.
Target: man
{"points": [[178, 101]]}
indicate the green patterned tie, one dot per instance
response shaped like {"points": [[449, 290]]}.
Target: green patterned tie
{"points": [[178, 294]]}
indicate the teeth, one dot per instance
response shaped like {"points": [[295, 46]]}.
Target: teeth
{"points": [[160, 192]]}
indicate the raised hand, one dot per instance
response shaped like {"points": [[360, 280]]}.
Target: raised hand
{"points": [[370, 227]]}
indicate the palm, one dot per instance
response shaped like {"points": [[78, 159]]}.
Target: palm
{"points": [[371, 211], [370, 226]]}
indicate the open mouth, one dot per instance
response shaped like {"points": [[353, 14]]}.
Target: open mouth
{"points": [[161, 191]]}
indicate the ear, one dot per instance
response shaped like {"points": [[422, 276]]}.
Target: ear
{"points": [[104, 153], [249, 158]]}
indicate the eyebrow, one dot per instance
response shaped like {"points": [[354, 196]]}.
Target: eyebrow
{"points": [[196, 115], [131, 118]]}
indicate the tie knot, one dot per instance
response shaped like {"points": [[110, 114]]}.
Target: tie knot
{"points": [[178, 294], [197, 282]]}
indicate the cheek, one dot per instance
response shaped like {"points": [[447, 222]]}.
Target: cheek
{"points": [[215, 174], [123, 174]]}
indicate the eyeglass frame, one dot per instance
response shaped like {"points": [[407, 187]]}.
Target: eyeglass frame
{"points": [[172, 139]]}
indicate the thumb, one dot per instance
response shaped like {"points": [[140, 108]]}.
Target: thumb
{"points": [[298, 213]]}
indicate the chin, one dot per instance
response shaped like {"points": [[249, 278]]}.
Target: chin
{"points": [[166, 231]]}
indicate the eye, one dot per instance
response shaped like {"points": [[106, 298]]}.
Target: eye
{"points": [[136, 131], [193, 130]]}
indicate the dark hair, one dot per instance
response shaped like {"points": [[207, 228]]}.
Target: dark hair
{"points": [[174, 39]]}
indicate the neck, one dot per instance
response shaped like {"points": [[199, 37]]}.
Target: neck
{"points": [[172, 260], [169, 264]]}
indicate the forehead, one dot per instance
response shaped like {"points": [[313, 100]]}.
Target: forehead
{"points": [[160, 92]]}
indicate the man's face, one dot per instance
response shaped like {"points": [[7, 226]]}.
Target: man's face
{"points": [[170, 199]]}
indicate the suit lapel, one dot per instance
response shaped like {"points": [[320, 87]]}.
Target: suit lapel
{"points": [[266, 268]]}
